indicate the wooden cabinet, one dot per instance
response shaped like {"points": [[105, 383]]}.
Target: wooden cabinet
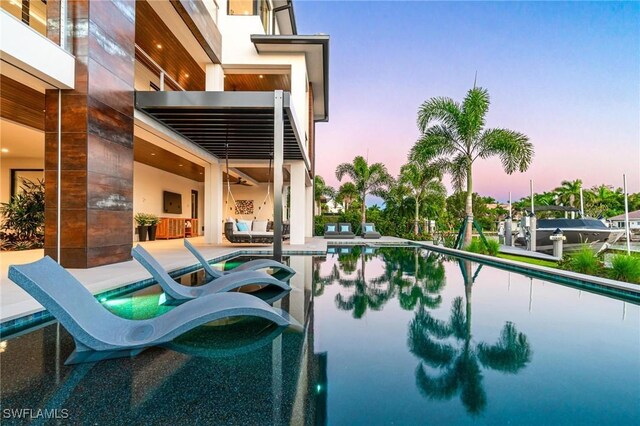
{"points": [[170, 227]]}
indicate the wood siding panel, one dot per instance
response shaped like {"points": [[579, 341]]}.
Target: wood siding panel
{"points": [[97, 140], [172, 57], [196, 16], [21, 103]]}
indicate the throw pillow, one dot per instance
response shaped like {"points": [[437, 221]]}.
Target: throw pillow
{"points": [[344, 228], [259, 226], [368, 228], [242, 226], [331, 228]]}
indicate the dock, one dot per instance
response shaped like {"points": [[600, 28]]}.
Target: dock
{"points": [[519, 251]]}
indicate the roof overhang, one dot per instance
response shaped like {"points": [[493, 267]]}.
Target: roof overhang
{"points": [[316, 50], [211, 120]]}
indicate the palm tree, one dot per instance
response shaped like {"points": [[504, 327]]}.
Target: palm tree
{"points": [[321, 191], [422, 179], [568, 192], [367, 178], [347, 194], [430, 340], [604, 200], [453, 134]]}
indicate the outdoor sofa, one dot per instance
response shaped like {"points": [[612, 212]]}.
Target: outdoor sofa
{"points": [[252, 231]]}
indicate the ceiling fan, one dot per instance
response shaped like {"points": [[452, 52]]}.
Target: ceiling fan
{"points": [[237, 181]]}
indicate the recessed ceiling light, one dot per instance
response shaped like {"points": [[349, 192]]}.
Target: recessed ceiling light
{"points": [[261, 76], [153, 153], [186, 75], [180, 165], [5, 150], [159, 46]]}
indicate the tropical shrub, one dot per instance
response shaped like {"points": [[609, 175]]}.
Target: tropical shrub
{"points": [[493, 247], [23, 218], [625, 268], [584, 261]]}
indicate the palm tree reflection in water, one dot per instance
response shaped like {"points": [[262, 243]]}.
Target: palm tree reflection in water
{"points": [[365, 293], [448, 346], [451, 362]]}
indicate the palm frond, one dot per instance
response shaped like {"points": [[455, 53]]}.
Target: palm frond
{"points": [[442, 109], [513, 148], [474, 109]]}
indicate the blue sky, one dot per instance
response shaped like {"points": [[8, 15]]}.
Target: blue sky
{"points": [[565, 74]]}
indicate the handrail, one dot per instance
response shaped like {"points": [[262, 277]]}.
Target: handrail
{"points": [[162, 73]]}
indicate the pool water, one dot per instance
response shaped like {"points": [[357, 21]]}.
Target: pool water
{"points": [[391, 336]]}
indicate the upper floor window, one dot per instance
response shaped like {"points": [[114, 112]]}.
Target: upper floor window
{"points": [[251, 8]]}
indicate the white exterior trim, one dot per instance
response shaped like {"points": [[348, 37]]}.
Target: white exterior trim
{"points": [[30, 51]]}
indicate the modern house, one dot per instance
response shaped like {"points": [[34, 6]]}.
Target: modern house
{"points": [[634, 221], [118, 105]]}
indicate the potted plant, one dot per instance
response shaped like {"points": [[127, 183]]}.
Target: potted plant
{"points": [[152, 222], [143, 225]]}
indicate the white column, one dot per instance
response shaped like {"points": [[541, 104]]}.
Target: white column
{"points": [[214, 81], [309, 211], [213, 211], [298, 202]]}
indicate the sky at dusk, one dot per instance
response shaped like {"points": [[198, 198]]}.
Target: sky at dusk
{"points": [[565, 74]]}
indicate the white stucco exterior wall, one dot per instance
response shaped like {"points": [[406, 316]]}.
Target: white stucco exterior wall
{"points": [[148, 185], [298, 202]]}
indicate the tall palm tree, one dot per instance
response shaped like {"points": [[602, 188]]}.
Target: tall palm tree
{"points": [[453, 134], [449, 346], [422, 179], [368, 178], [321, 191], [569, 192], [347, 194]]}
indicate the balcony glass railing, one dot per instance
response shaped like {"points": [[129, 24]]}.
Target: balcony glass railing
{"points": [[41, 15], [31, 12], [251, 8]]}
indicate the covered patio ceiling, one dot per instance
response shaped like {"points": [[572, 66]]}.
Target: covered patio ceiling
{"points": [[242, 120]]}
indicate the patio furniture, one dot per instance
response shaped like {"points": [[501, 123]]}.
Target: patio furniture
{"points": [[252, 265], [331, 230], [369, 231], [345, 231], [252, 235], [179, 292], [99, 334]]}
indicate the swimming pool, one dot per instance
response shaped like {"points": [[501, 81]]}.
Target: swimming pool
{"points": [[392, 335]]}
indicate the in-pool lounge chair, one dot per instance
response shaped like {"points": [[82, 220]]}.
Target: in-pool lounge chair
{"points": [[252, 265], [100, 335], [178, 292], [369, 231], [331, 230], [345, 231]]}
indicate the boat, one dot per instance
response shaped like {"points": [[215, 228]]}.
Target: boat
{"points": [[578, 231]]}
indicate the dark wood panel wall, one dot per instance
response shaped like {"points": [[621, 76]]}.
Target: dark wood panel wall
{"points": [[196, 16], [97, 139], [158, 41], [21, 103]]}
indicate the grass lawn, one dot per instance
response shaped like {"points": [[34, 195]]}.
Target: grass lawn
{"points": [[539, 262]]}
